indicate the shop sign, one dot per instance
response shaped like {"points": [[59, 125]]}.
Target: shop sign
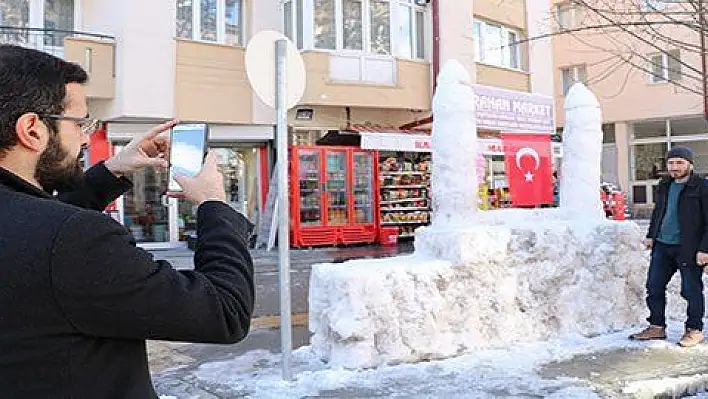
{"points": [[504, 110], [420, 143], [395, 142]]}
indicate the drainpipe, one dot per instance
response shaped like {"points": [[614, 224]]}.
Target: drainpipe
{"points": [[436, 63]]}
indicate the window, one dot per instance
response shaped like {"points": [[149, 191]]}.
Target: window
{"points": [[380, 27], [665, 67], [653, 5], [358, 27], [293, 17], [362, 25], [52, 15], [219, 21], [649, 160], [572, 74], [569, 15], [411, 25], [325, 32], [496, 45]]}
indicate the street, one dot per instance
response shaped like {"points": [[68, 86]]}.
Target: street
{"points": [[267, 275]]}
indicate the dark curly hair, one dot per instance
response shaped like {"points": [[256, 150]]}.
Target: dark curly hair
{"points": [[32, 81]]}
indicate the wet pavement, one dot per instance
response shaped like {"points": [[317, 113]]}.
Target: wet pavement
{"points": [[266, 270]]}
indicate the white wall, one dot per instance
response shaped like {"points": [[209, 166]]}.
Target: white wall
{"points": [[456, 40], [540, 51], [145, 55]]}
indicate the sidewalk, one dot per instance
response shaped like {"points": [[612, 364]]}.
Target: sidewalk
{"points": [[573, 367]]}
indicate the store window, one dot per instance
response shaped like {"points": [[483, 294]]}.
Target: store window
{"points": [[219, 21], [145, 214], [239, 166], [665, 67], [497, 45], [649, 161], [649, 129]]}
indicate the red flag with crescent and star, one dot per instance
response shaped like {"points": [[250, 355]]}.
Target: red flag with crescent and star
{"points": [[529, 168]]}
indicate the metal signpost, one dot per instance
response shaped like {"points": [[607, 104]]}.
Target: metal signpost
{"points": [[276, 72]]}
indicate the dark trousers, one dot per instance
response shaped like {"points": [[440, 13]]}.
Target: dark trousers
{"points": [[665, 260]]}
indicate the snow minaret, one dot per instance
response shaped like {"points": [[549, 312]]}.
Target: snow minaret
{"points": [[582, 153], [454, 148]]}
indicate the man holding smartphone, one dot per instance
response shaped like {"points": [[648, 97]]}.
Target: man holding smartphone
{"points": [[78, 299]]}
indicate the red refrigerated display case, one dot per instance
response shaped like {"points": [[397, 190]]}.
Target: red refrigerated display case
{"points": [[333, 197]]}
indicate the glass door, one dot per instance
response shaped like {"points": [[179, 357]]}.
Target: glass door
{"points": [[310, 194], [336, 188], [363, 188]]}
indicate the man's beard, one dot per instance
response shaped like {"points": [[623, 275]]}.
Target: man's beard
{"points": [[56, 170], [680, 174]]}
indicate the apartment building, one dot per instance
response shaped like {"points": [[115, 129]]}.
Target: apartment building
{"points": [[369, 67], [648, 87]]}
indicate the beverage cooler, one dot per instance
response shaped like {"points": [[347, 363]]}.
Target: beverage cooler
{"points": [[332, 196]]}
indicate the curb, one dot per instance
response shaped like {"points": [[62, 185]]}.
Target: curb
{"points": [[265, 322]]}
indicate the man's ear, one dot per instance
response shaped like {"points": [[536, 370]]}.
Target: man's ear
{"points": [[31, 132]]}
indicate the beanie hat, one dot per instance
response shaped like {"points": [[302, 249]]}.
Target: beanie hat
{"points": [[681, 152]]}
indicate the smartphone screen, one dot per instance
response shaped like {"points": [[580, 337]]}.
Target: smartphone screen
{"points": [[187, 150]]}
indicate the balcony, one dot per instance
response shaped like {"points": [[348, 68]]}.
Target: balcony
{"points": [[366, 81], [94, 52]]}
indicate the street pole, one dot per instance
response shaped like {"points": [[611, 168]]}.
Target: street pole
{"points": [[283, 205]]}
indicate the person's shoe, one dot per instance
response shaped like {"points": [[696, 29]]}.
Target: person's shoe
{"points": [[691, 338], [649, 333]]}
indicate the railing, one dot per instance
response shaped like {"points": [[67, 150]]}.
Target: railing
{"points": [[48, 40]]}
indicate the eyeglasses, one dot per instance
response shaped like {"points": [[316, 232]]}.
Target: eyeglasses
{"points": [[87, 125]]}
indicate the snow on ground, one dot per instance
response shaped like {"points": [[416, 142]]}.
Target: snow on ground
{"points": [[507, 372]]}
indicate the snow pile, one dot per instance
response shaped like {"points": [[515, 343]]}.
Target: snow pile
{"points": [[513, 371], [525, 276]]}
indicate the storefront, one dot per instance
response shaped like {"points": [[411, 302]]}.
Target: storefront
{"points": [[650, 141], [158, 221], [348, 178]]}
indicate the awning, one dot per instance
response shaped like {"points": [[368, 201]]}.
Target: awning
{"points": [[401, 140]]}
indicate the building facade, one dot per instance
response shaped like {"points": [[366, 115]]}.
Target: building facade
{"points": [[369, 66], [647, 85]]}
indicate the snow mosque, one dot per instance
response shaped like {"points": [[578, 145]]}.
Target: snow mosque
{"points": [[486, 279]]}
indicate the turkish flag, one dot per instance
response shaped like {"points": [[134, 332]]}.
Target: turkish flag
{"points": [[529, 168]]}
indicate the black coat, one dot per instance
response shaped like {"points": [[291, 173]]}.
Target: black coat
{"points": [[78, 299], [692, 214]]}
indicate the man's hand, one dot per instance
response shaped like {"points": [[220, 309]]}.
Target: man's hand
{"points": [[701, 258], [208, 185], [148, 149], [649, 243]]}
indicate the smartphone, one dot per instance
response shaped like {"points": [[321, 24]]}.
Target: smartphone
{"points": [[188, 148]]}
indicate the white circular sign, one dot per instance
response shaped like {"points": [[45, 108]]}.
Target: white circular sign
{"points": [[260, 68]]}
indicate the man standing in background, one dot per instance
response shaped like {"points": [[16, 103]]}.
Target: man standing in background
{"points": [[678, 239]]}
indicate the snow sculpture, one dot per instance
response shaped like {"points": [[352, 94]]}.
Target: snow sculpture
{"points": [[486, 279], [580, 175], [454, 177]]}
